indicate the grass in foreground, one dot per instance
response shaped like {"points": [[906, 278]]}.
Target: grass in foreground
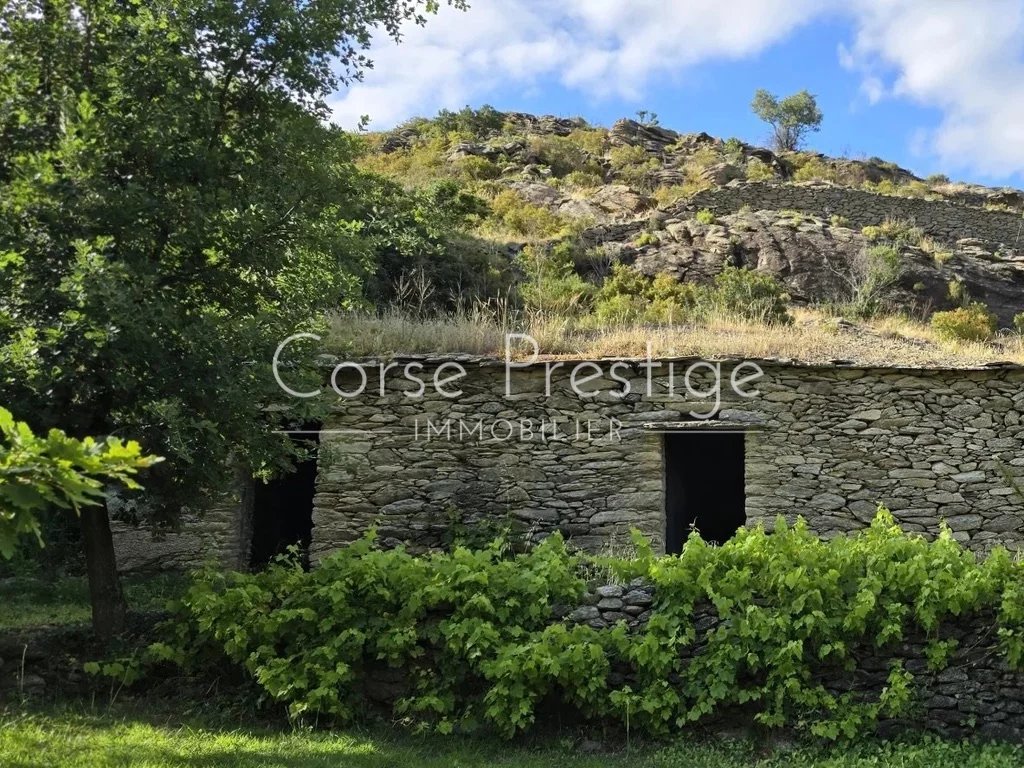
{"points": [[30, 602], [148, 738]]}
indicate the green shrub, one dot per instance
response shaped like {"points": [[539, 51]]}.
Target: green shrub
{"points": [[1018, 323], [934, 249], [871, 274], [750, 295], [815, 169], [971, 323], [468, 122], [733, 150], [550, 282], [957, 292], [668, 195], [705, 216], [477, 168], [894, 230], [582, 179], [645, 238], [916, 189], [524, 218], [562, 156], [628, 296], [631, 164], [938, 178], [883, 187], [472, 638], [759, 171], [591, 140], [423, 162]]}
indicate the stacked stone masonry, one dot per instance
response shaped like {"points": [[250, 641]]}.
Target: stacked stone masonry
{"points": [[975, 693], [825, 443], [943, 220], [218, 535]]}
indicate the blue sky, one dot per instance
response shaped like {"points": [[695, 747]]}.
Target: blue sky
{"points": [[934, 85]]}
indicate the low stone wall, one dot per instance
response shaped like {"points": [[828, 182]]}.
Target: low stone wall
{"points": [[606, 605], [941, 219], [976, 693], [828, 444]]}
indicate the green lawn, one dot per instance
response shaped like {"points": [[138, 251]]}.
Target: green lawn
{"points": [[145, 738], [156, 733], [32, 602]]}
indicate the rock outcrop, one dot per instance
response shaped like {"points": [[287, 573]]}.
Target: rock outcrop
{"points": [[808, 234]]}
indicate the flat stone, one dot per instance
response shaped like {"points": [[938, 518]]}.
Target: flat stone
{"points": [[969, 477], [584, 613]]}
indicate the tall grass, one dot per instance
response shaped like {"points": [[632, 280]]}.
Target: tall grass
{"points": [[481, 329]]}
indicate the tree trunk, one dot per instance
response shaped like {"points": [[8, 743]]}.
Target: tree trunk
{"points": [[108, 606]]}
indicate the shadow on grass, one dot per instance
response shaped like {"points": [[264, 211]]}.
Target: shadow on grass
{"points": [[64, 737]]}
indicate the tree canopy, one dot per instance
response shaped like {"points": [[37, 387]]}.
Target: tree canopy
{"points": [[172, 205], [56, 470], [791, 118]]}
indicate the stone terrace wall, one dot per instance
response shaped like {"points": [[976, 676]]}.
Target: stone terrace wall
{"points": [[825, 443], [977, 693], [941, 219]]}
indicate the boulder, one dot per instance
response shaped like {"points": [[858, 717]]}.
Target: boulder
{"points": [[620, 200]]}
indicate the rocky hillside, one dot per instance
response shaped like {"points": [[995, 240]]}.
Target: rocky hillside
{"points": [[691, 204]]}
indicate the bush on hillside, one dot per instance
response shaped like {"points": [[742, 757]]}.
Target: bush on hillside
{"points": [[592, 140], [816, 169], [476, 168], [582, 180], [523, 218], [971, 323], [759, 171], [750, 295], [467, 122], [897, 231], [632, 165], [550, 283], [870, 275], [562, 156], [628, 296]]}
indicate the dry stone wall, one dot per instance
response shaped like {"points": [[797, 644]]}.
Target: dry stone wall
{"points": [[220, 535], [827, 443], [976, 693], [941, 219]]}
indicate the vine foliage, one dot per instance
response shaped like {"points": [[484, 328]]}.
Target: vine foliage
{"points": [[473, 640]]}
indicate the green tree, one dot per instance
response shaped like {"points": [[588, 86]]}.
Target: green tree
{"points": [[791, 118], [172, 206], [56, 471]]}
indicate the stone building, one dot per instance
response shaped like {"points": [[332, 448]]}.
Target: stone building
{"points": [[691, 445]]}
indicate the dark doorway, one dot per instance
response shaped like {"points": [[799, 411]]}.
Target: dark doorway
{"points": [[282, 511], [704, 486]]}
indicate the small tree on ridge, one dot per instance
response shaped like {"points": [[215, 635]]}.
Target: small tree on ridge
{"points": [[791, 118]]}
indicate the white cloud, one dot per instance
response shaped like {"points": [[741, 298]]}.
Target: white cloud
{"points": [[600, 47], [873, 88], [964, 58]]}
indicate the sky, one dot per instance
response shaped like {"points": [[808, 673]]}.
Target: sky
{"points": [[936, 86]]}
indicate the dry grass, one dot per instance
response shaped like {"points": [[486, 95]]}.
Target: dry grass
{"points": [[812, 338]]}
